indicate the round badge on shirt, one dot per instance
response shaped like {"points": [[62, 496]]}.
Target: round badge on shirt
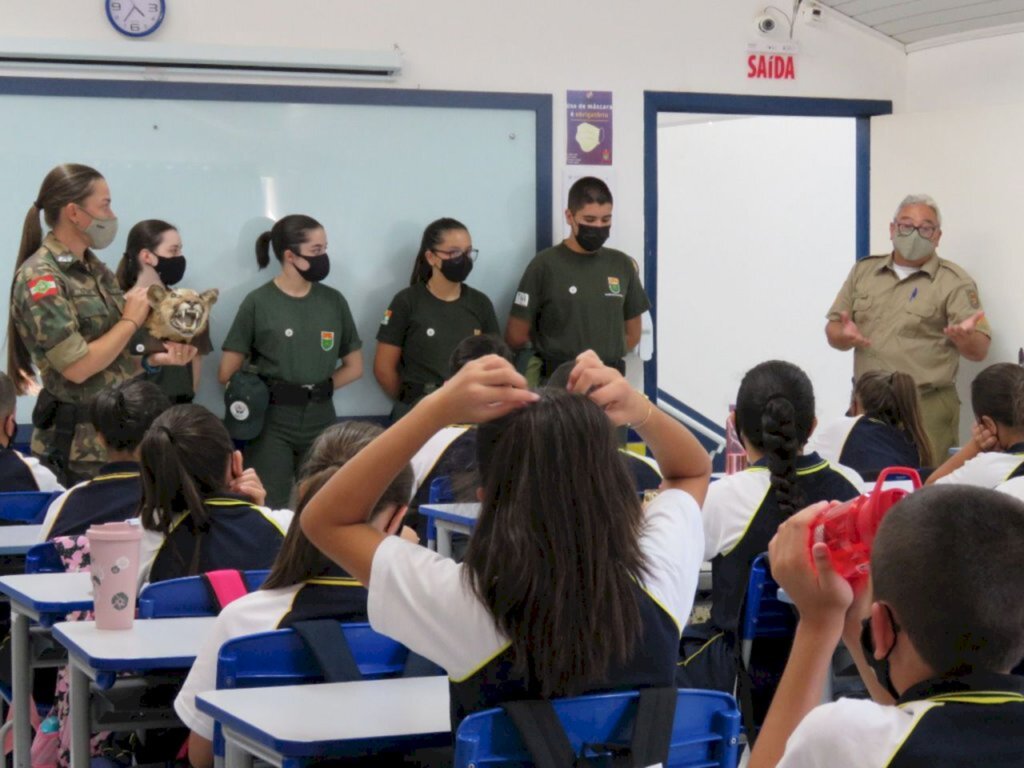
{"points": [[430, 331], [572, 289], [289, 332]]}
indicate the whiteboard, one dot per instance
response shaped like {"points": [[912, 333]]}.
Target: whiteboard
{"points": [[222, 163]]}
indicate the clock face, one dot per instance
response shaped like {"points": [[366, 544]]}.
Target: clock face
{"points": [[135, 18]]}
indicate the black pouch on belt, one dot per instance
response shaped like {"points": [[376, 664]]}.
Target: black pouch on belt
{"points": [[45, 411]]}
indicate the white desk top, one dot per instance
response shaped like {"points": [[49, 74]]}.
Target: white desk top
{"points": [[49, 592], [18, 539], [149, 644], [335, 712], [468, 511]]}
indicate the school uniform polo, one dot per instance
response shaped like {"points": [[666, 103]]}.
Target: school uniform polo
{"points": [[336, 596], [240, 535], [579, 301], [863, 444], [741, 514], [24, 473], [989, 469], [977, 720], [645, 470], [423, 601], [110, 497]]}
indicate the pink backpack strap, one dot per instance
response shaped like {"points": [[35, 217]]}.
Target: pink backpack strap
{"points": [[224, 586]]}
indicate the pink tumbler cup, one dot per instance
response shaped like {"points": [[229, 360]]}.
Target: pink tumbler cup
{"points": [[114, 553]]}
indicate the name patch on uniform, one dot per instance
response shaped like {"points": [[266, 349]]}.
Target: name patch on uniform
{"points": [[522, 299], [326, 340], [613, 285], [387, 317], [41, 287], [972, 297]]}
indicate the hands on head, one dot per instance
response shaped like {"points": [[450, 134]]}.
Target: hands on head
{"points": [[246, 482]]}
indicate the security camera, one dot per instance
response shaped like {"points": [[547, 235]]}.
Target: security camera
{"points": [[765, 24]]}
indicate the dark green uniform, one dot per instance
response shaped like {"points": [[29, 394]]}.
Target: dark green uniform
{"points": [[579, 301], [428, 329], [174, 380], [298, 341], [59, 305]]}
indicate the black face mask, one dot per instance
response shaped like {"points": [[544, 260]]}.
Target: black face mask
{"points": [[591, 238], [456, 269], [170, 270], [879, 666], [319, 268]]}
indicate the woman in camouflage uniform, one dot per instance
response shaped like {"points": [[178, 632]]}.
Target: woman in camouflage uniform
{"points": [[70, 320]]}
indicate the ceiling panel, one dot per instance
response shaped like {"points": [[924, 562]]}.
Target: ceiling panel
{"points": [[914, 21]]}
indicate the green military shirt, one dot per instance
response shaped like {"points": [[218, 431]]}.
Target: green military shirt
{"points": [[298, 340], [174, 380], [59, 304], [904, 319], [579, 301], [428, 329]]}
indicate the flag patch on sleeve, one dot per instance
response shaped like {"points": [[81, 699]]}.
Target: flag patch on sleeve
{"points": [[387, 317], [41, 287]]}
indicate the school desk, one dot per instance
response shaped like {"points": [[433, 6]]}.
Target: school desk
{"points": [[18, 539], [449, 519]]}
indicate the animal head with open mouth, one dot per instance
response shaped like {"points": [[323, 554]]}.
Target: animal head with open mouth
{"points": [[179, 314]]}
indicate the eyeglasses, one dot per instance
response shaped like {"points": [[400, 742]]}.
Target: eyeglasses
{"points": [[471, 253], [925, 230]]}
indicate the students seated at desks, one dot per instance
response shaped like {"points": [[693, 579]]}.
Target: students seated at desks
{"points": [[451, 452], [17, 472], [200, 509], [303, 584], [936, 632], [121, 416], [568, 584], [645, 471], [774, 418], [995, 452], [884, 430]]}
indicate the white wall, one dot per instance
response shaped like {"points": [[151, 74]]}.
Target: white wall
{"points": [[959, 140]]}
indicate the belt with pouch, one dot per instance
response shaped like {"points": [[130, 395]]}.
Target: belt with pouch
{"points": [[410, 392], [287, 393], [62, 417]]}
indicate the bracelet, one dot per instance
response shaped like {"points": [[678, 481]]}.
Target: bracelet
{"points": [[129, 320], [645, 419], [150, 369]]}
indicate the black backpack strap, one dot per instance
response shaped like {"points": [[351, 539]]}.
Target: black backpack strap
{"points": [[542, 733], [745, 698], [326, 641], [652, 732]]}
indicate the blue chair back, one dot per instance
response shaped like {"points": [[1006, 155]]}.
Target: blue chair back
{"points": [[705, 732], [764, 614], [28, 507], [43, 558], [440, 493], [187, 596]]}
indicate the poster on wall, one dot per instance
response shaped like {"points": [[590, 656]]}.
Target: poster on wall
{"points": [[588, 127]]}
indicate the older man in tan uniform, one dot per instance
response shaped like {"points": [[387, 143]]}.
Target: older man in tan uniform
{"points": [[914, 312]]}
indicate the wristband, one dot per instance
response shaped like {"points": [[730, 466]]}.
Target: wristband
{"points": [[129, 320], [151, 369], [645, 419]]}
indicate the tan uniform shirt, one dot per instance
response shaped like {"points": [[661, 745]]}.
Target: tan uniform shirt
{"points": [[904, 319], [59, 305]]}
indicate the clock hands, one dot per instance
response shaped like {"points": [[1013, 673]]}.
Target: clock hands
{"points": [[135, 9]]}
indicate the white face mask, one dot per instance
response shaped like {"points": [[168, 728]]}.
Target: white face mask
{"points": [[588, 136]]}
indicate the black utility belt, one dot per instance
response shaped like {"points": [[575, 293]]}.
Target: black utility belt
{"points": [[550, 365], [49, 411], [286, 393], [410, 392]]}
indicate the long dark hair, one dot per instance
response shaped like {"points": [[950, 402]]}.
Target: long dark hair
{"points": [[432, 237], [556, 550], [144, 236], [892, 399], [298, 559], [68, 183], [184, 459], [122, 414], [998, 392], [775, 412], [287, 234]]}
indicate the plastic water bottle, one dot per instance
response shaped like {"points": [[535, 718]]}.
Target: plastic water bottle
{"points": [[849, 529], [735, 454]]}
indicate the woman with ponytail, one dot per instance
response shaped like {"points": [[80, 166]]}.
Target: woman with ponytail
{"points": [[426, 321], [200, 509], [774, 419], [70, 320], [883, 430], [293, 331]]}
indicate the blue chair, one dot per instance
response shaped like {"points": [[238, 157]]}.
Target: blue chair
{"points": [[187, 596], [43, 558], [705, 732], [764, 615], [440, 493], [25, 507]]}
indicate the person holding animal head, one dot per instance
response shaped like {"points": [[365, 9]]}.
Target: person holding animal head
{"points": [[298, 336], [153, 260]]}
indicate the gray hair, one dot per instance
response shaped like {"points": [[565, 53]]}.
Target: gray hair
{"points": [[920, 200]]}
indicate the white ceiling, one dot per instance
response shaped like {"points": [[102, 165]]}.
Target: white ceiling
{"points": [[918, 21]]}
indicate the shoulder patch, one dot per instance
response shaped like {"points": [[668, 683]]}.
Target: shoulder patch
{"points": [[42, 286], [522, 299], [972, 298], [387, 317]]}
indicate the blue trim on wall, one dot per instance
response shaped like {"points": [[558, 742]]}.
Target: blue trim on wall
{"points": [[709, 445], [539, 104], [733, 104]]}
